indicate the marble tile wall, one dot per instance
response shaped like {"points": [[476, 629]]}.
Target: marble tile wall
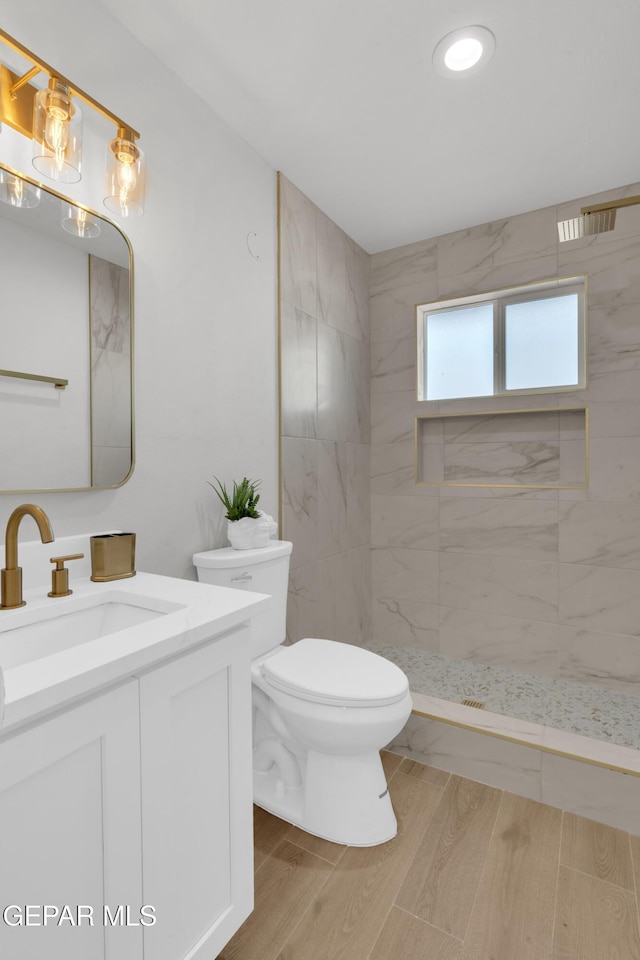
{"points": [[548, 580], [111, 408], [325, 432], [544, 449]]}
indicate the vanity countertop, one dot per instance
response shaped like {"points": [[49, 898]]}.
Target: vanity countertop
{"points": [[185, 613]]}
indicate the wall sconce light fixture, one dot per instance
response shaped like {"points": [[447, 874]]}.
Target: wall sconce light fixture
{"points": [[18, 192], [81, 224], [52, 118]]}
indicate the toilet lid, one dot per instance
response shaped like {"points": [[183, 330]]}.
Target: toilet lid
{"points": [[341, 674]]}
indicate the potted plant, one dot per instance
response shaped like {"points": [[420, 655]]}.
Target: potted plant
{"points": [[247, 526]]}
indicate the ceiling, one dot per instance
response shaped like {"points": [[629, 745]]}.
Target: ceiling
{"points": [[343, 98]]}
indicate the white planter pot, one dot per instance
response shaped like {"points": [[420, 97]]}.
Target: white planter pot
{"points": [[248, 533]]}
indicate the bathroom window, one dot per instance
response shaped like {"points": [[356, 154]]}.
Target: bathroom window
{"points": [[529, 339]]}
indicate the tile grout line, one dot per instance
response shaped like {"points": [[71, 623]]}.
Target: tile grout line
{"points": [[310, 906], [555, 898], [590, 876], [428, 923], [484, 866], [635, 884]]}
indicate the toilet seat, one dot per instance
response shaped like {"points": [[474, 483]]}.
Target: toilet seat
{"points": [[337, 674]]}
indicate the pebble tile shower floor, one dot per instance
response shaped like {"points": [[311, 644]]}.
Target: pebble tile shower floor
{"points": [[590, 711]]}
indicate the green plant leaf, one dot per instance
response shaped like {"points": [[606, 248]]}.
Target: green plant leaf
{"points": [[242, 501]]}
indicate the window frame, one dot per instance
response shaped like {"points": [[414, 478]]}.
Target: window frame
{"points": [[501, 299]]}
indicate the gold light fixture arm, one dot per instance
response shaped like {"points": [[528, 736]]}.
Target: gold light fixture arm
{"points": [[20, 82], [41, 66]]}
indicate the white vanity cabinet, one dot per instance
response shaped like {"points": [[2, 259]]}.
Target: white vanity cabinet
{"points": [[70, 831], [197, 829], [138, 797]]}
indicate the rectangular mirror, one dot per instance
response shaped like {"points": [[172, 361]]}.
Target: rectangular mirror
{"points": [[66, 335]]}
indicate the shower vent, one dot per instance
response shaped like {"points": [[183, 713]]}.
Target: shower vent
{"points": [[478, 704]]}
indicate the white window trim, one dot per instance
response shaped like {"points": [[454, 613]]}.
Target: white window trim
{"points": [[500, 299]]}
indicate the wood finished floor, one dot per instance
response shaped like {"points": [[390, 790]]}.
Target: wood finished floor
{"points": [[475, 873]]}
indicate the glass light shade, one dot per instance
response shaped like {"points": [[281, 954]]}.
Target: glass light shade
{"points": [[18, 192], [125, 177], [79, 223], [57, 134]]}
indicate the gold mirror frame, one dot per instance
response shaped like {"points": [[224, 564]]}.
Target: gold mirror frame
{"points": [[54, 380]]}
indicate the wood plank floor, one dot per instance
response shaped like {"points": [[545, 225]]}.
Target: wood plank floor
{"points": [[474, 873]]}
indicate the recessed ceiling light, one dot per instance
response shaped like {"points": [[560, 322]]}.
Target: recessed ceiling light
{"points": [[464, 51]]}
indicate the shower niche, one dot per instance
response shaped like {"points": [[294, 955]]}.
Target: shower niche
{"points": [[542, 448]]}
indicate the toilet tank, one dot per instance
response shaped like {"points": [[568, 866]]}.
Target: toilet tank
{"points": [[260, 570]]}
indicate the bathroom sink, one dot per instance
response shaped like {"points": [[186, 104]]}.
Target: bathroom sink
{"points": [[28, 636]]}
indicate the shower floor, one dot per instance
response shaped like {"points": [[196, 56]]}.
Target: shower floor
{"points": [[576, 708]]}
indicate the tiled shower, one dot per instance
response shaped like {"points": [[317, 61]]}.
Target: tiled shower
{"points": [[545, 582]]}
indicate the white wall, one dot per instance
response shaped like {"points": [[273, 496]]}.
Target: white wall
{"points": [[205, 310], [45, 297]]}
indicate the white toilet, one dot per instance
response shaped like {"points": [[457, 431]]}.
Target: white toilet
{"points": [[321, 711]]}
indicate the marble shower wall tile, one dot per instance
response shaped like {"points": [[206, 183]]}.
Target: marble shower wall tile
{"points": [[616, 419], [405, 623], [393, 365], [325, 423], [401, 266], [508, 766], [614, 472], [607, 660], [300, 498], [298, 373], [110, 308], [591, 791], [334, 413], [497, 277], [604, 599], [521, 529], [358, 526], [111, 400], [357, 292], [399, 280], [332, 498], [358, 403], [405, 574], [524, 645], [612, 269], [527, 427], [500, 546], [350, 595], [393, 471], [298, 246], [527, 237], [535, 463], [331, 272], [393, 416], [601, 534], [309, 614], [525, 589], [411, 522], [614, 344]]}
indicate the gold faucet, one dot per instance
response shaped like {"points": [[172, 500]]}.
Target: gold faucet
{"points": [[12, 574]]}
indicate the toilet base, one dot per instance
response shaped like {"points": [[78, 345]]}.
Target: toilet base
{"points": [[344, 799]]}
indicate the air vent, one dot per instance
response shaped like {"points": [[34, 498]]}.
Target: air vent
{"points": [[478, 704]]}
